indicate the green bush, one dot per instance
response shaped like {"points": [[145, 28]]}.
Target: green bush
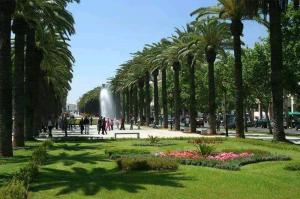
{"points": [[18, 186], [153, 139], [39, 155], [27, 173], [14, 190], [204, 149], [293, 167], [48, 144], [146, 163]]}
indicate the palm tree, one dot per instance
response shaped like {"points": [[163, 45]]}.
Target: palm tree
{"points": [[191, 53], [42, 16], [214, 37], [19, 29], [7, 8], [275, 9], [148, 98], [156, 98], [235, 11]]}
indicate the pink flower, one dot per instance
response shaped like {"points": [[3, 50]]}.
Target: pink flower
{"points": [[229, 156], [181, 154]]}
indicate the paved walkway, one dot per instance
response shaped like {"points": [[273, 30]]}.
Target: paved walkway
{"points": [[145, 132]]}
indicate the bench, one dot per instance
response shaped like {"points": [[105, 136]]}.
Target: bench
{"points": [[138, 134]]}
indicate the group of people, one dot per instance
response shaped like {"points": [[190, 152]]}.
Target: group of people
{"points": [[66, 122], [107, 124], [84, 125]]}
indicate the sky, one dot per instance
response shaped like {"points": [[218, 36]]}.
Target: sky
{"points": [[108, 31]]}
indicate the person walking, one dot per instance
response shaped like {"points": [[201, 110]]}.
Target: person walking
{"points": [[99, 124], [108, 124], [117, 124], [86, 125], [131, 122], [65, 125], [81, 126], [91, 120], [104, 126], [112, 124], [122, 123], [50, 127]]}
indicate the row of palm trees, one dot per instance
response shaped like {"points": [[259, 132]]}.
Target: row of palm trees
{"points": [[35, 69], [215, 31]]}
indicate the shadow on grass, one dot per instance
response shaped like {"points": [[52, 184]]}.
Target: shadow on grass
{"points": [[15, 159], [75, 147], [91, 182], [68, 160]]}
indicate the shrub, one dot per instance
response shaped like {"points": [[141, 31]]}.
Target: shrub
{"points": [[27, 173], [146, 163], [13, 190], [39, 155], [293, 167], [48, 144], [153, 139], [204, 149]]}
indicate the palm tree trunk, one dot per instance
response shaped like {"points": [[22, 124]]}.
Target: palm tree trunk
{"points": [[164, 96], [156, 98], [136, 102], [124, 104], [177, 98], [127, 105], [148, 100], [211, 99], [29, 81], [19, 28], [193, 112], [276, 66], [6, 10], [141, 101], [266, 109], [237, 30], [34, 57]]}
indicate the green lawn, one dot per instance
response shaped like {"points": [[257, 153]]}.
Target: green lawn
{"points": [[82, 170]]}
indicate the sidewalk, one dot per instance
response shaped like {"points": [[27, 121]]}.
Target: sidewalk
{"points": [[145, 132]]}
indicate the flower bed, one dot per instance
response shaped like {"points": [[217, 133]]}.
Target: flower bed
{"points": [[229, 156], [180, 154], [221, 160]]}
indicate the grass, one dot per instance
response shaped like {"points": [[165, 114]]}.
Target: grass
{"points": [[82, 170]]}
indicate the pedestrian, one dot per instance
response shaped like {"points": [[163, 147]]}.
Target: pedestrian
{"points": [[65, 125], [86, 125], [91, 120], [81, 125], [112, 124], [131, 122], [104, 126], [118, 124], [99, 124], [139, 123], [122, 123], [50, 127], [218, 124], [108, 124]]}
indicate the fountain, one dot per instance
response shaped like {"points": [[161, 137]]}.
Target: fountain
{"points": [[107, 107]]}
